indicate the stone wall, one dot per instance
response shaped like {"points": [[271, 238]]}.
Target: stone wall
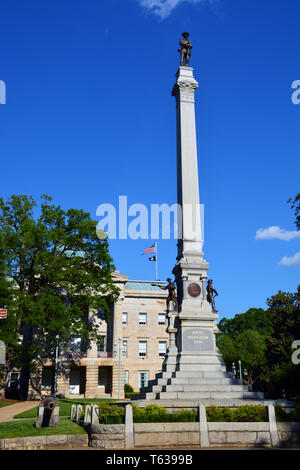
{"points": [[41, 442], [112, 436]]}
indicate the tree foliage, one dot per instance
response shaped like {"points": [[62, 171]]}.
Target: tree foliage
{"points": [[60, 272], [254, 319], [295, 204], [262, 340], [284, 313]]}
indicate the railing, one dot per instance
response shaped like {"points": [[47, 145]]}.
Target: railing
{"points": [[105, 354], [76, 354]]}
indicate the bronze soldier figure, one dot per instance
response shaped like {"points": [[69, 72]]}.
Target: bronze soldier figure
{"points": [[210, 294], [172, 292], [185, 49]]}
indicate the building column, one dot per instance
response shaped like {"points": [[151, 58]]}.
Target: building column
{"points": [[91, 379], [115, 380], [63, 379]]}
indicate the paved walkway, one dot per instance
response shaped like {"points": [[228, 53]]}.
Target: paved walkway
{"points": [[7, 412]]}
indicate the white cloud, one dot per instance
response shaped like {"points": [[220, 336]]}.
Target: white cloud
{"points": [[276, 232], [291, 261], [163, 8]]}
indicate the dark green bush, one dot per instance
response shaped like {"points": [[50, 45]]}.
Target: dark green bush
{"points": [[250, 413], [157, 414], [282, 415], [113, 414], [245, 413], [216, 414], [128, 388]]}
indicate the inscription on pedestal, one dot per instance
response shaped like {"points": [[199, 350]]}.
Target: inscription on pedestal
{"points": [[197, 339]]}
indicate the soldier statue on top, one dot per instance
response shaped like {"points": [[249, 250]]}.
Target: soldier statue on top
{"points": [[185, 49]]}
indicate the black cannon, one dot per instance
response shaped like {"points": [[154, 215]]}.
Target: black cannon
{"points": [[48, 403], [48, 413]]}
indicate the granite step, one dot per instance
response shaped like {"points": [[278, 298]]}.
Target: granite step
{"points": [[203, 388], [202, 380], [206, 395], [203, 374], [187, 367]]}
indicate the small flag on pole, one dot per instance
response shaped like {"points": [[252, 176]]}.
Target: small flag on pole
{"points": [[151, 249], [3, 313], [153, 258]]}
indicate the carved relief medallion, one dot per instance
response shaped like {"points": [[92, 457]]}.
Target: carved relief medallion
{"points": [[194, 290]]}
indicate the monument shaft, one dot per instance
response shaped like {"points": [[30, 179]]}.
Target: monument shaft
{"points": [[187, 166]]}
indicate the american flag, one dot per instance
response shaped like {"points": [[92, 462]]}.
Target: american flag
{"points": [[151, 249], [3, 313]]}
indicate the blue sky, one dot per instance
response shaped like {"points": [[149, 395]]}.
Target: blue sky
{"points": [[89, 116]]}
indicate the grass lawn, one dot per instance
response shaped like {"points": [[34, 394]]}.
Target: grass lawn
{"points": [[4, 403], [64, 406], [27, 428]]}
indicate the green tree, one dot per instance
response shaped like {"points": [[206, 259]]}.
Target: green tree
{"points": [[60, 271], [250, 347], [254, 319], [227, 349], [4, 283], [6, 325], [284, 313]]}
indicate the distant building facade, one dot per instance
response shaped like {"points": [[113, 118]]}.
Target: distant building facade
{"points": [[132, 348]]}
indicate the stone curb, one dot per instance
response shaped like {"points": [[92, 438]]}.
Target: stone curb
{"points": [[40, 442]]}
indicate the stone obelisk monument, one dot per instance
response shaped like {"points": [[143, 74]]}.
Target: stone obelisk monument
{"points": [[193, 368]]}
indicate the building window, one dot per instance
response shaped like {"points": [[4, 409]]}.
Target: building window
{"points": [[125, 377], [161, 318], [125, 347], [142, 348], [101, 345], [142, 318], [75, 344], [162, 348], [124, 318], [143, 379], [47, 377]]}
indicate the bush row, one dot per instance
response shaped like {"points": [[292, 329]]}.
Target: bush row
{"points": [[242, 414], [113, 414]]}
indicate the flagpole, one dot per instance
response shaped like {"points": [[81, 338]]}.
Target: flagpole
{"points": [[156, 261]]}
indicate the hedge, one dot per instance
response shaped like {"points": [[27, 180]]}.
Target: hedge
{"points": [[156, 414]]}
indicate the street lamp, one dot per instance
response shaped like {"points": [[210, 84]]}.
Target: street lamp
{"points": [[240, 367], [119, 363], [119, 385], [55, 369]]}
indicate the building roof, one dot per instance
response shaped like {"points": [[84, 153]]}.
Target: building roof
{"points": [[143, 285]]}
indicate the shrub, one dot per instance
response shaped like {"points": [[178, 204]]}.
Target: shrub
{"points": [[128, 388], [250, 414], [214, 414], [282, 415], [158, 414], [245, 413], [111, 414]]}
